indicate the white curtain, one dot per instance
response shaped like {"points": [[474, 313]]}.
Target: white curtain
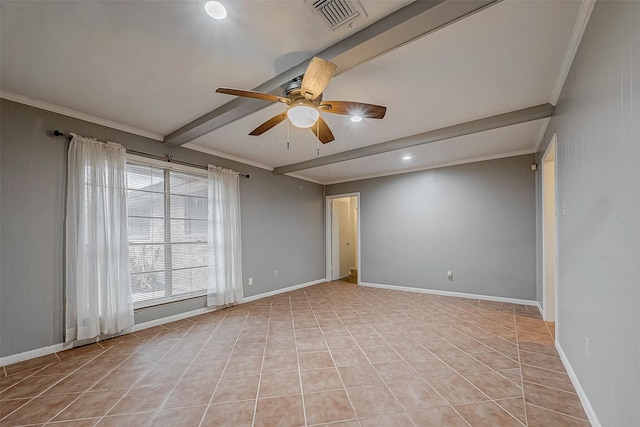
{"points": [[98, 290], [225, 250]]}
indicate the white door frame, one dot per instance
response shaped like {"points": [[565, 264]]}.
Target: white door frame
{"points": [[327, 232], [552, 148]]}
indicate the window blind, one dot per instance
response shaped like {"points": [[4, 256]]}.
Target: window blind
{"points": [[167, 218]]}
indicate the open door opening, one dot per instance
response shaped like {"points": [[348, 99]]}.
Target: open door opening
{"points": [[549, 245], [343, 243]]}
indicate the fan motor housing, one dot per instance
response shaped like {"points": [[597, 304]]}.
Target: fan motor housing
{"points": [[293, 85], [292, 91]]}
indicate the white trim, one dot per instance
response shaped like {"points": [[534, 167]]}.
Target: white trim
{"points": [[452, 294], [148, 303], [78, 115], [224, 155], [551, 147], [31, 354], [543, 131], [436, 166], [43, 351], [327, 233], [580, 24], [283, 290], [588, 409], [304, 178], [540, 309]]}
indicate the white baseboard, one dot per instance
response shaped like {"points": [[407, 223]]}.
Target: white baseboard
{"points": [[451, 294], [43, 351], [31, 354], [591, 414], [192, 313], [283, 290], [540, 309]]}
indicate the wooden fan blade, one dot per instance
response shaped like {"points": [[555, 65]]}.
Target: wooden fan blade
{"points": [[252, 94], [317, 77], [348, 108], [269, 124], [322, 131]]}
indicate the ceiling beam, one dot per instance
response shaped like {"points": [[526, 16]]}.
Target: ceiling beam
{"points": [[493, 122], [408, 23]]}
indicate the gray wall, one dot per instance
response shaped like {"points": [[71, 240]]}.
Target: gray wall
{"points": [[282, 225], [597, 123], [477, 220]]}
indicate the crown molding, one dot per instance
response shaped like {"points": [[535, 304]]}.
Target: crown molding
{"points": [[435, 166], [542, 132], [580, 24], [78, 115], [224, 155]]}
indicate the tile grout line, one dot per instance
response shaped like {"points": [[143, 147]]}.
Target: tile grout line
{"points": [[490, 370], [128, 388], [224, 368], [552, 388], [427, 381], [188, 366], [479, 361], [561, 413], [471, 354], [456, 371], [524, 396], [48, 388], [132, 386], [357, 418], [264, 352], [295, 343], [56, 383], [403, 359]]}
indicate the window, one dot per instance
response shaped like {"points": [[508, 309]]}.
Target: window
{"points": [[167, 233]]}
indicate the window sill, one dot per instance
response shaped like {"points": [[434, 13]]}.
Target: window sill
{"points": [[141, 305]]}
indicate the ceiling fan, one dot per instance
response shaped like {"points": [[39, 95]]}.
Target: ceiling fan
{"points": [[303, 95]]}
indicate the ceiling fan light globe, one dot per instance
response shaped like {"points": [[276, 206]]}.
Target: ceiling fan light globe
{"points": [[215, 10], [303, 116]]}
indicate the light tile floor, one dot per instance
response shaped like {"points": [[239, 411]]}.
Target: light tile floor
{"points": [[332, 354]]}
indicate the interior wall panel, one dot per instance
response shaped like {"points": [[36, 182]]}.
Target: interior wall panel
{"points": [[597, 123], [477, 220]]}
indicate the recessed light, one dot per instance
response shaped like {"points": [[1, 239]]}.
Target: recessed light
{"points": [[406, 158], [356, 119], [215, 10]]}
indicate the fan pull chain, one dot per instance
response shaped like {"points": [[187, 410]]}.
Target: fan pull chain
{"points": [[288, 124], [318, 138]]}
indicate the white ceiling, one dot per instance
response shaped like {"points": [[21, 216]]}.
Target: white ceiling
{"points": [[154, 66]]}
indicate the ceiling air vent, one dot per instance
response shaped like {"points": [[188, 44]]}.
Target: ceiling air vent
{"points": [[334, 12]]}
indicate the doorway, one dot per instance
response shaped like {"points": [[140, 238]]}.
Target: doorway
{"points": [[549, 244], [343, 238]]}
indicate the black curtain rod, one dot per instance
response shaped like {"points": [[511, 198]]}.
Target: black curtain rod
{"points": [[167, 158]]}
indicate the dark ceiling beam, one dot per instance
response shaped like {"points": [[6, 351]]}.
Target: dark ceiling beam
{"points": [[493, 122], [408, 23]]}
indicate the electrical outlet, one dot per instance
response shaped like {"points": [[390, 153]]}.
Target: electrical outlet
{"points": [[450, 275], [586, 341], [250, 281], [275, 273]]}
